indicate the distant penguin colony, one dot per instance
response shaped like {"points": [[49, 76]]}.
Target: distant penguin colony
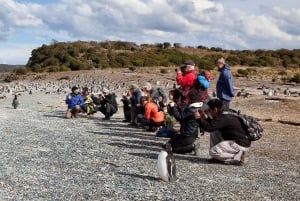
{"points": [[15, 102], [166, 164]]}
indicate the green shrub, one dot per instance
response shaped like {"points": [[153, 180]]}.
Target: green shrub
{"points": [[295, 78], [282, 73], [21, 71], [164, 71], [243, 72], [132, 68], [11, 77]]}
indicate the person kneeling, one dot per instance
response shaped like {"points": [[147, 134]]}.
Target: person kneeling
{"points": [[108, 104], [185, 141], [75, 102], [228, 138], [152, 117]]}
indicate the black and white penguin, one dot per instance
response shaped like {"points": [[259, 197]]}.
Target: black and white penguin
{"points": [[15, 102], [166, 164]]}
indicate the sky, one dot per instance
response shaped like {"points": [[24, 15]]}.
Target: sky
{"points": [[229, 24]]}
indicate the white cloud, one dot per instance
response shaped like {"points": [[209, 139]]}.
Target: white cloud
{"points": [[268, 24]]}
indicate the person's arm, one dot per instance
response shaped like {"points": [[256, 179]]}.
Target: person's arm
{"points": [[81, 102], [211, 125], [228, 82], [137, 98], [179, 114], [147, 111], [188, 79]]}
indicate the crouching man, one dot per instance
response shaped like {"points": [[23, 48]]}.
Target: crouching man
{"points": [[74, 101], [228, 139], [108, 104]]}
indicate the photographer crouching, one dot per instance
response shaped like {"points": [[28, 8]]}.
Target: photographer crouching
{"points": [[108, 104]]}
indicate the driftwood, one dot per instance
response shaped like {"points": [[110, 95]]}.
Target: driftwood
{"points": [[276, 99], [289, 122], [267, 119]]}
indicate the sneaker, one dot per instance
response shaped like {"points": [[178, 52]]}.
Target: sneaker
{"points": [[244, 159], [213, 160]]}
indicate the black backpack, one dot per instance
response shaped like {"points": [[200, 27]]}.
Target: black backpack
{"points": [[253, 128]]}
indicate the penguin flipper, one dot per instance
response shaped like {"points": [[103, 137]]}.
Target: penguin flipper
{"points": [[171, 169]]}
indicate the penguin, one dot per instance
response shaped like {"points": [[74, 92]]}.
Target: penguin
{"points": [[166, 164], [15, 102]]}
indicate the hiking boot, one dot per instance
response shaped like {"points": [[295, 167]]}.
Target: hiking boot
{"points": [[244, 159]]}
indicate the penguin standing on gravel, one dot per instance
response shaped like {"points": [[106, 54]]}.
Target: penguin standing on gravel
{"points": [[15, 102], [166, 164]]}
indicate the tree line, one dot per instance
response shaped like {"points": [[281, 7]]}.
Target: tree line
{"points": [[81, 55]]}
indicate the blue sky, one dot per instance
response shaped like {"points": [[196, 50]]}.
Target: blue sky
{"points": [[230, 24]]}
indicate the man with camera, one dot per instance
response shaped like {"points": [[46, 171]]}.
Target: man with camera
{"points": [[108, 104], [228, 138]]}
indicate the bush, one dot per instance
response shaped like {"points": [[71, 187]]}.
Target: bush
{"points": [[295, 78], [282, 73], [64, 78], [132, 68], [243, 72], [20, 71], [164, 71], [11, 77]]}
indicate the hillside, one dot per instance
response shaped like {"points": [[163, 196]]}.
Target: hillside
{"points": [[80, 55]]}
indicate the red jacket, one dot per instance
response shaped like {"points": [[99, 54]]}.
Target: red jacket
{"points": [[186, 81], [152, 113]]}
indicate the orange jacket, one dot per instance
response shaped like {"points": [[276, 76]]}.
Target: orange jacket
{"points": [[152, 113]]}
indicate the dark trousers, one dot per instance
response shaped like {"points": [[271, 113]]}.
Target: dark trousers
{"points": [[127, 112], [226, 104], [108, 109], [145, 122], [182, 144]]}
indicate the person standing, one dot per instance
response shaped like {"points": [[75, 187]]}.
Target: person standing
{"points": [[225, 90]]}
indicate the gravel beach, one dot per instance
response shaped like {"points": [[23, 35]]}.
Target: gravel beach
{"points": [[44, 156]]}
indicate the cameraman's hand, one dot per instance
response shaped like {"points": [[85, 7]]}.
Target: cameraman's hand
{"points": [[171, 104]]}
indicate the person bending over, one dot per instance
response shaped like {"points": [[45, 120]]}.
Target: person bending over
{"points": [[228, 139], [74, 101], [89, 106], [185, 141], [152, 116], [108, 104]]}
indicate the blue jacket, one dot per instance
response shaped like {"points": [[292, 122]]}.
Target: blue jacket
{"points": [[136, 98], [225, 89], [75, 100]]}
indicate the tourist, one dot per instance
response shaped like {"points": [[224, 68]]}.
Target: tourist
{"points": [[185, 141], [108, 103], [228, 138], [224, 88], [74, 101]]}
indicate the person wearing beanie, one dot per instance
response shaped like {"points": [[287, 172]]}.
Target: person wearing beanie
{"points": [[74, 101], [108, 103], [135, 95], [224, 87], [186, 76], [157, 95]]}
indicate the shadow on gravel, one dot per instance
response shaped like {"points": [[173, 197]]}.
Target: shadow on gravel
{"points": [[133, 146], [145, 155], [139, 176], [56, 114], [192, 159]]}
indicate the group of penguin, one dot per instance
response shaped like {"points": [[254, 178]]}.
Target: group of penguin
{"points": [[165, 163]]}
